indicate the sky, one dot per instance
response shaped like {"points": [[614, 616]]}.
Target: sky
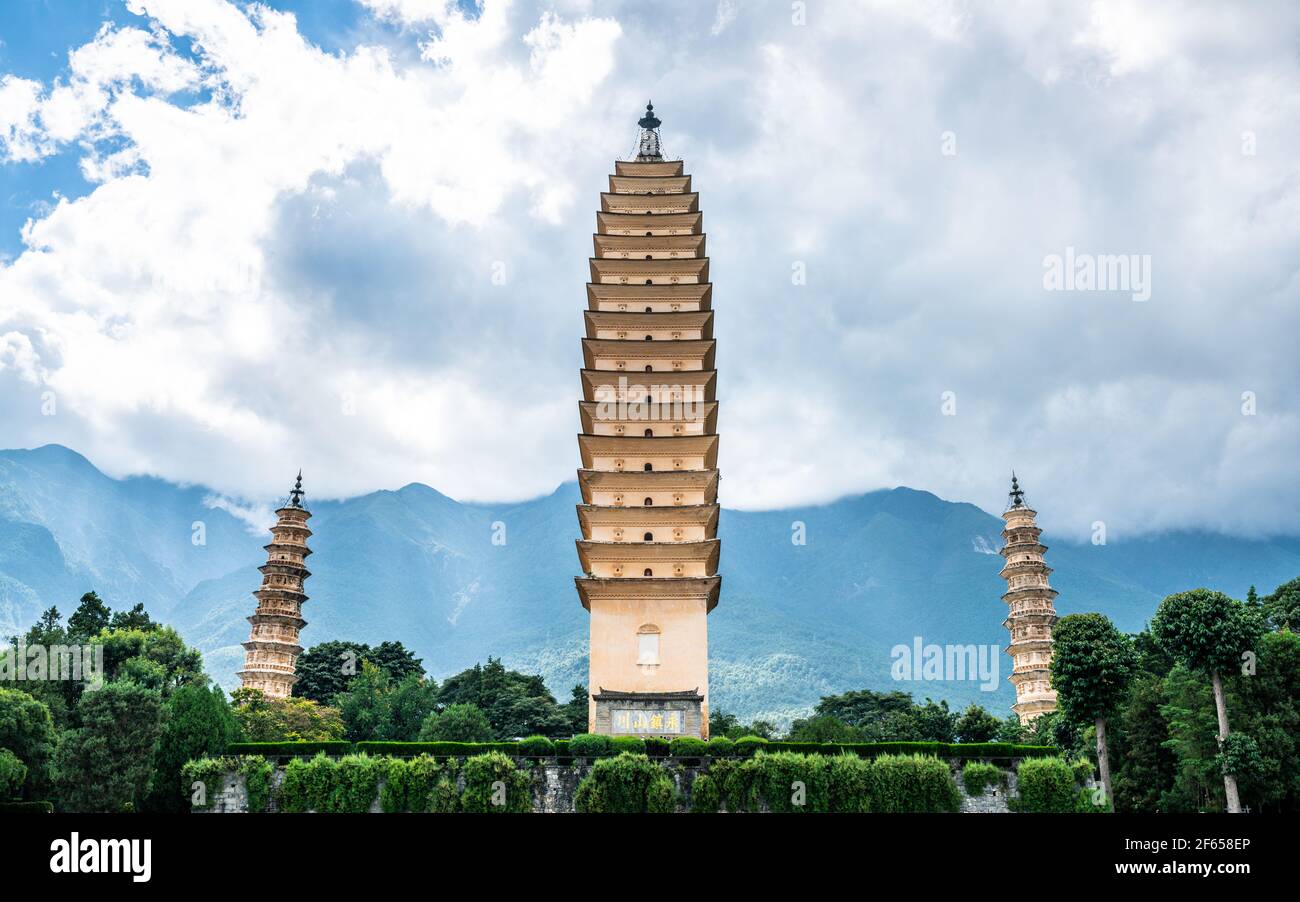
{"points": [[351, 236]]}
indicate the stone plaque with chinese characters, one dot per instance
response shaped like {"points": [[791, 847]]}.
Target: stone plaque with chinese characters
{"points": [[627, 720]]}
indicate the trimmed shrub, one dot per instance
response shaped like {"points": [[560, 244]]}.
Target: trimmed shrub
{"points": [[437, 749], [536, 746], [494, 784], [13, 774], [590, 745], [562, 748], [26, 807], [211, 772], [409, 784], [656, 746], [627, 784], [620, 744], [705, 796], [308, 785], [721, 747], [913, 783], [1046, 785], [849, 784], [688, 747], [284, 749], [748, 745], [789, 783], [356, 782], [257, 773], [978, 776]]}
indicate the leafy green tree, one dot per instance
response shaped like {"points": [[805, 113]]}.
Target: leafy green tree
{"points": [[863, 707], [196, 723], [407, 707], [1209, 632], [575, 709], [90, 617], [1009, 730], [1282, 605], [327, 669], [1267, 705], [977, 725], [362, 705], [13, 774], [1092, 663], [134, 619], [156, 657], [27, 730], [57, 695], [324, 670], [1189, 712], [395, 660], [823, 728], [106, 763], [461, 722], [1147, 764], [723, 724], [263, 719], [935, 722], [516, 704]]}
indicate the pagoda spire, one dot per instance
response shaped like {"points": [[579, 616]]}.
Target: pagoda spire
{"points": [[272, 650], [648, 148], [1031, 613]]}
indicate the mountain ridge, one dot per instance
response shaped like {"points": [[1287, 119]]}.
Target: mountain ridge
{"points": [[795, 621]]}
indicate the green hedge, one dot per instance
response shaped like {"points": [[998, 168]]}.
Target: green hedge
{"points": [[588, 745], [439, 749], [26, 807], [283, 749], [627, 784], [1046, 786], [792, 782]]}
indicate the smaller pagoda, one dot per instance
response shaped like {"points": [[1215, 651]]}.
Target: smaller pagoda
{"points": [[272, 650], [1031, 613]]}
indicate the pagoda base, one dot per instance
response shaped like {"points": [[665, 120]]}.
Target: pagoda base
{"points": [[667, 714]]}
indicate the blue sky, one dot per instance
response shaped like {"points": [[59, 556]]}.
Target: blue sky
{"points": [[279, 225]]}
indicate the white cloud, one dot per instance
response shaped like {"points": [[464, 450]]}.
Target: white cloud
{"points": [[287, 257]]}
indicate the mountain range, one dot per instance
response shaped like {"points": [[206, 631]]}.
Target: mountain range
{"points": [[795, 621]]}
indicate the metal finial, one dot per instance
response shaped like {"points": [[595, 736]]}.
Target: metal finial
{"points": [[297, 493], [1017, 493], [649, 120]]}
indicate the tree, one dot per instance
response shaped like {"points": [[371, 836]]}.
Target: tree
{"points": [[263, 719], [462, 722], [156, 657], [1268, 709], [863, 707], [27, 730], [576, 710], [823, 728], [134, 619], [362, 705], [196, 723], [1209, 632], [90, 617], [106, 763], [324, 670], [977, 725], [1282, 605], [396, 660], [1147, 765], [1092, 663], [935, 722], [327, 669], [407, 707], [516, 704], [723, 724]]}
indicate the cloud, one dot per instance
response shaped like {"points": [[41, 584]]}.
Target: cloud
{"points": [[288, 257]]}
